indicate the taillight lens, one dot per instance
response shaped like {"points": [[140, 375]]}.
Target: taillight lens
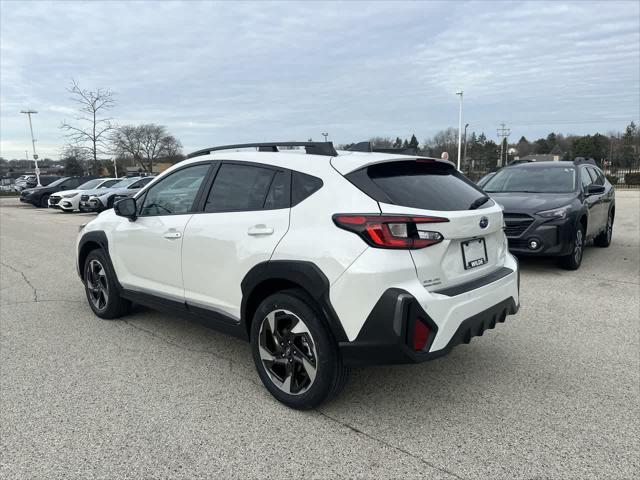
{"points": [[420, 335], [391, 231]]}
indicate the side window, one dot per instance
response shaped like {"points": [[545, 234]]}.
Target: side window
{"points": [[585, 178], [278, 195], [597, 176], [302, 186], [174, 194], [240, 188]]}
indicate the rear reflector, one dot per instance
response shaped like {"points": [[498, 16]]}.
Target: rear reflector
{"points": [[391, 231], [420, 335]]}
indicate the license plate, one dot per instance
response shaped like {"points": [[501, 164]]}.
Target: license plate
{"points": [[474, 253]]}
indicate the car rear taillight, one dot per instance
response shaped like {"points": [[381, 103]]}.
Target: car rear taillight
{"points": [[391, 231], [420, 335]]}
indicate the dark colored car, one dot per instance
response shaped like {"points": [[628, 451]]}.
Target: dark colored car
{"points": [[554, 208], [483, 181], [39, 196]]}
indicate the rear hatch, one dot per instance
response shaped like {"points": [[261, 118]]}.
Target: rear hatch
{"points": [[473, 242]]}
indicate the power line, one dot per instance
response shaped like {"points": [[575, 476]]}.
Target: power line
{"points": [[503, 133]]}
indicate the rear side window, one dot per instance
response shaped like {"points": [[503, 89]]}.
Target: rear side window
{"points": [[302, 186], [427, 186], [245, 187]]}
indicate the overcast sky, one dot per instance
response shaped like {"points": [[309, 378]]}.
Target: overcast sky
{"points": [[226, 72]]}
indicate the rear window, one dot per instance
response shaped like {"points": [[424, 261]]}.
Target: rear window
{"points": [[428, 186]]}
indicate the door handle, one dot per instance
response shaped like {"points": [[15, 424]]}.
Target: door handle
{"points": [[172, 235], [260, 230]]}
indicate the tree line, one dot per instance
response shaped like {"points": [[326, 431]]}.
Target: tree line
{"points": [[618, 149]]}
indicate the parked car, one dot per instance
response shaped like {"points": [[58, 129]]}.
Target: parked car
{"points": [[554, 208], [30, 181], [482, 182], [102, 200], [344, 258], [39, 196], [69, 200]]}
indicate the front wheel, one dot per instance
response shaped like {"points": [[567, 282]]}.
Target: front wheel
{"points": [[296, 356], [574, 259], [44, 201], [101, 288]]}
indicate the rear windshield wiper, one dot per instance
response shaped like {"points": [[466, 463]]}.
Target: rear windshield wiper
{"points": [[479, 202]]}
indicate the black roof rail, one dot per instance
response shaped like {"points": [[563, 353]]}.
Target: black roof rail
{"points": [[521, 160], [368, 147], [589, 161], [312, 148], [361, 147]]}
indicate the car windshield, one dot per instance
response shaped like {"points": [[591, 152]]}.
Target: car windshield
{"points": [[109, 183], [57, 182], [125, 182], [90, 184], [533, 180]]}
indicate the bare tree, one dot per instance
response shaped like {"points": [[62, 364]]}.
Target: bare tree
{"points": [[146, 144], [91, 132]]}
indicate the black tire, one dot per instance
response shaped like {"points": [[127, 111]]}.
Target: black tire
{"points": [[101, 287], [110, 203], [313, 343], [603, 240], [574, 259], [44, 201]]}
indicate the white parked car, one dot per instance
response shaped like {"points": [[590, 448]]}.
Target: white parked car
{"points": [[322, 260], [69, 200], [104, 199]]}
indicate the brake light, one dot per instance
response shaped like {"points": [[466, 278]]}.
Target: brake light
{"points": [[391, 231], [420, 335]]}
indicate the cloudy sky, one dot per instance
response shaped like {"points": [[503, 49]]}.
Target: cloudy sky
{"points": [[223, 72]]}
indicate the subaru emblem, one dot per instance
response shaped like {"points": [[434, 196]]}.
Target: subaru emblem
{"points": [[484, 222]]}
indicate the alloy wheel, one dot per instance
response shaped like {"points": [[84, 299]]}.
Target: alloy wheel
{"points": [[97, 285], [288, 351]]}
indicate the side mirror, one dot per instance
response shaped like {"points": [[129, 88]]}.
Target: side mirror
{"points": [[594, 189], [126, 208]]}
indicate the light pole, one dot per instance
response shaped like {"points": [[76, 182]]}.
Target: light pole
{"points": [[464, 157], [325, 135], [33, 142], [461, 93]]}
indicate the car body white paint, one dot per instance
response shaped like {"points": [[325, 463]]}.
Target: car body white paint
{"points": [[206, 263]]}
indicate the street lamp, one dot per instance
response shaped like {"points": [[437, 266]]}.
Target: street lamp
{"points": [[464, 157], [325, 135], [33, 143], [460, 92]]}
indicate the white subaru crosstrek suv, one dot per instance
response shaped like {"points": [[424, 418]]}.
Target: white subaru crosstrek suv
{"points": [[322, 260]]}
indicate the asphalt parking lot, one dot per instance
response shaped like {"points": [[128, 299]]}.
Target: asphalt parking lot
{"points": [[552, 393]]}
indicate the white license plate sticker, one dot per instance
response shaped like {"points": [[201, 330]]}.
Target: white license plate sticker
{"points": [[474, 253]]}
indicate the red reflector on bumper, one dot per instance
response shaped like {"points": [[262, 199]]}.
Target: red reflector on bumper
{"points": [[420, 335]]}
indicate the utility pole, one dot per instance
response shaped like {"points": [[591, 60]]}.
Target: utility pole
{"points": [[503, 133], [461, 93], [33, 143], [325, 135], [464, 157]]}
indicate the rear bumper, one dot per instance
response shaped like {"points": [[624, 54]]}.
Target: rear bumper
{"points": [[381, 342]]}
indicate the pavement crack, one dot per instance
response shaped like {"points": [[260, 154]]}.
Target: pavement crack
{"points": [[387, 444], [26, 280]]}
